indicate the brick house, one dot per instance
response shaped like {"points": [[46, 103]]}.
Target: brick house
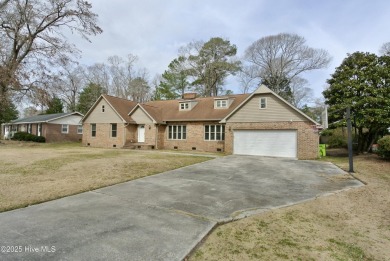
{"points": [[261, 123], [56, 127]]}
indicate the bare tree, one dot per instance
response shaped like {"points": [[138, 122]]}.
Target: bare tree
{"points": [[3, 4], [126, 78], [385, 49], [122, 73], [301, 93], [120, 77], [40, 98], [32, 38], [248, 78], [280, 58], [99, 74], [67, 84]]}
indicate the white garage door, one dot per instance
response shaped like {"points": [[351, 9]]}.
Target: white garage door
{"points": [[274, 143]]}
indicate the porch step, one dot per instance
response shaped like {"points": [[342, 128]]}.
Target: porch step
{"points": [[138, 146]]}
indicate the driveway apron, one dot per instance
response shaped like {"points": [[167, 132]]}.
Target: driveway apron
{"points": [[162, 217]]}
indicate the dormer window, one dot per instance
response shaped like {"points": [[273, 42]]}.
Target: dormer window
{"points": [[187, 105], [103, 108], [221, 103], [184, 106]]}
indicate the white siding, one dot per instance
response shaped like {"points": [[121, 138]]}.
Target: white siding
{"points": [[71, 120]]}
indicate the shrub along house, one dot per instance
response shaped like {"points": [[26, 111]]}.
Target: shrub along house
{"points": [[261, 123], [54, 127]]}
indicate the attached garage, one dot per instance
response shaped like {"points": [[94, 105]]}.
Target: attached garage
{"points": [[274, 143]]}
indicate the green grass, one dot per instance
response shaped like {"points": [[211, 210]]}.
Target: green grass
{"points": [[347, 251]]}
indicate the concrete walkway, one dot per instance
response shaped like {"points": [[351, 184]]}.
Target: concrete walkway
{"points": [[161, 217]]}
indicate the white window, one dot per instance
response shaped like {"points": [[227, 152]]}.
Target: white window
{"points": [[184, 106], [29, 128], [177, 132], [65, 128], [263, 103], [39, 129], [214, 132], [79, 129], [103, 109], [221, 103]]}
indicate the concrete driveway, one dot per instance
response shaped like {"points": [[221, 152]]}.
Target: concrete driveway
{"points": [[162, 217]]}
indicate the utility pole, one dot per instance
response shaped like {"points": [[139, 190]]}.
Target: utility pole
{"points": [[349, 130]]}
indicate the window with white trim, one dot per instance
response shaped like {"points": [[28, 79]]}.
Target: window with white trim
{"points": [[177, 132], [103, 108], [214, 132], [221, 103], [114, 129], [93, 129], [39, 129], [79, 129], [263, 103], [65, 128], [184, 106]]}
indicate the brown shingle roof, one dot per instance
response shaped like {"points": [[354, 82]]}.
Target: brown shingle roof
{"points": [[122, 106], [163, 111]]}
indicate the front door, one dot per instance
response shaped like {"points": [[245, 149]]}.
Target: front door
{"points": [[141, 133]]}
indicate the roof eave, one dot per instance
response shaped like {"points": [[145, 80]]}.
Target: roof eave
{"points": [[66, 115]]}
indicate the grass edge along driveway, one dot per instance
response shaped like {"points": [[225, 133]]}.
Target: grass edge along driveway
{"points": [[34, 173], [350, 225]]}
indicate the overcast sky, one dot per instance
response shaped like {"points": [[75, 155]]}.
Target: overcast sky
{"points": [[154, 30]]}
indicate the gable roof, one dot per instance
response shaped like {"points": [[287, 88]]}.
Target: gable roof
{"points": [[120, 106], [154, 111], [44, 117], [168, 110], [262, 90]]}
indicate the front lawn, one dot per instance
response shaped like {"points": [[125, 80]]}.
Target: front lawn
{"points": [[31, 173], [349, 225]]}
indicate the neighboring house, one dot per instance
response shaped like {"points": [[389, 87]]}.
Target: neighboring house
{"points": [[54, 127], [261, 123]]}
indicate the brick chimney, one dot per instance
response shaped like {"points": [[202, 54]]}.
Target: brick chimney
{"points": [[189, 96]]}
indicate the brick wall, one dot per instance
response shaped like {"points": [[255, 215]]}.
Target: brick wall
{"points": [[131, 131], [150, 134], [34, 128], [195, 139], [161, 136], [52, 133], [103, 137], [307, 138]]}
